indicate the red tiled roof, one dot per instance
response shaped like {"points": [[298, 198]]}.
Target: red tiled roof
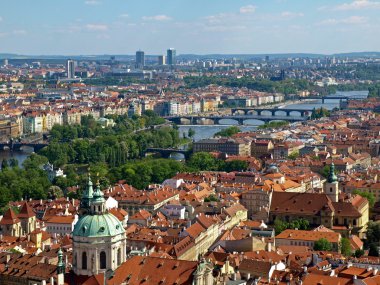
{"points": [[26, 211], [9, 218]]}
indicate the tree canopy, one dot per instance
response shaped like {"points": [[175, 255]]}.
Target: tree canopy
{"points": [[323, 245]]}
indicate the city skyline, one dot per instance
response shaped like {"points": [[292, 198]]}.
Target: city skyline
{"points": [[224, 27]]}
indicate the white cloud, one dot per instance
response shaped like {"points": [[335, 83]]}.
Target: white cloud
{"points": [[353, 20], [97, 27], [159, 18], [19, 32], [247, 9], [92, 2], [124, 16], [215, 19], [287, 14], [358, 5]]}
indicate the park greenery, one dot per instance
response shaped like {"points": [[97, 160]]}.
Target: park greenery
{"points": [[228, 132], [345, 247], [322, 245], [373, 238], [289, 86], [319, 113], [280, 225], [29, 182], [204, 161], [91, 142], [273, 125]]}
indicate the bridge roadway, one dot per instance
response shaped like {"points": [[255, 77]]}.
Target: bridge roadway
{"points": [[166, 152], [279, 111], [16, 146], [337, 97], [194, 120]]}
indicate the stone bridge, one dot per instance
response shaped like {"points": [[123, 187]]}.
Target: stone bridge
{"points": [[241, 120], [166, 152]]}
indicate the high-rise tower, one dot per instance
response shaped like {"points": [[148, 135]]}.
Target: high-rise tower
{"points": [[70, 69], [171, 56], [140, 59]]}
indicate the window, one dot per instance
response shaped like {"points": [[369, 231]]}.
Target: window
{"points": [[103, 260], [84, 260], [119, 256], [330, 189]]}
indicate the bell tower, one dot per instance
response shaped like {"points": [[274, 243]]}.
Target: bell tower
{"points": [[331, 187]]}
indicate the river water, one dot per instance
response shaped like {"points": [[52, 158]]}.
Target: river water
{"points": [[203, 131], [208, 131]]}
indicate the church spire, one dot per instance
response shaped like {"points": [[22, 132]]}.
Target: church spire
{"points": [[98, 201], [87, 194], [332, 177]]}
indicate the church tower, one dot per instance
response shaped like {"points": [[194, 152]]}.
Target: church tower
{"points": [[27, 218], [99, 239], [61, 268], [331, 187]]}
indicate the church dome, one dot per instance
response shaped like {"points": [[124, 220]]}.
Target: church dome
{"points": [[272, 169], [98, 226]]}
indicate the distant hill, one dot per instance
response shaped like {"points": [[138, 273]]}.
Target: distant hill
{"points": [[190, 56]]}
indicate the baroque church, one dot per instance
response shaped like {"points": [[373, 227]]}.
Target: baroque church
{"points": [[99, 239]]}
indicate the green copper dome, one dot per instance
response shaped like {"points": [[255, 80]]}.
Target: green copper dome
{"points": [[98, 226], [332, 177]]}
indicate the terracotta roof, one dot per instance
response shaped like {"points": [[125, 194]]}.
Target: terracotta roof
{"points": [[26, 211], [317, 279], [153, 270], [301, 203], [195, 230], [61, 219], [309, 235], [256, 268], [9, 218]]}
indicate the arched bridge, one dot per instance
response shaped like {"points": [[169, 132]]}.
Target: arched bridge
{"points": [[166, 152], [16, 146], [271, 111], [211, 120], [332, 97]]}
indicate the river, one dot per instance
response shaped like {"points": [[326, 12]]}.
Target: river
{"points": [[204, 132], [208, 131]]}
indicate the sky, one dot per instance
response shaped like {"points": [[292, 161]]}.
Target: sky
{"points": [[89, 27]]}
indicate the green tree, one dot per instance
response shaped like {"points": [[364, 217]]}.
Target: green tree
{"points": [[191, 133], [373, 232], [211, 198], [55, 192], [323, 245], [228, 132], [359, 253], [13, 162], [280, 226], [294, 155], [373, 249], [203, 161], [345, 247], [4, 164], [234, 165]]}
